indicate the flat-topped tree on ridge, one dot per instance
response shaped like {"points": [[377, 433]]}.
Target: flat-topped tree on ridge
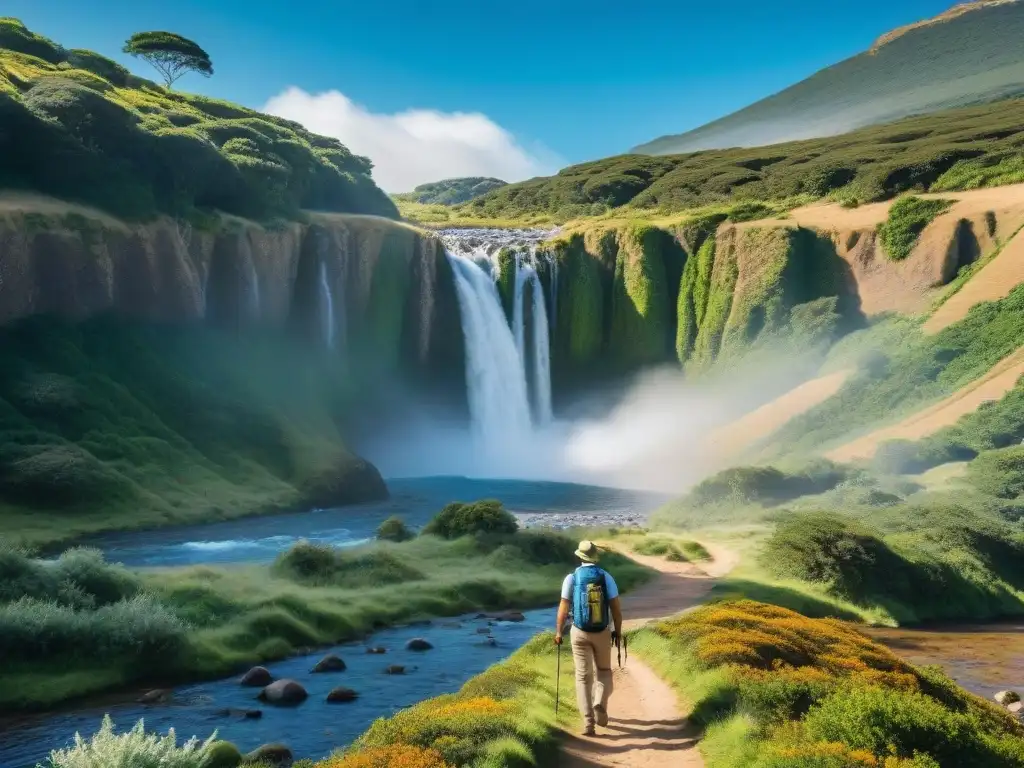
{"points": [[170, 54]]}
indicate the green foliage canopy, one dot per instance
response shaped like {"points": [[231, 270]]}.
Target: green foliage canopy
{"points": [[170, 54]]}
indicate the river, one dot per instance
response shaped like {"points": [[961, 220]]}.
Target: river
{"points": [[983, 658], [315, 728]]}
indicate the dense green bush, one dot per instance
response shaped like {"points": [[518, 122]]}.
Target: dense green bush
{"points": [[826, 549], [79, 578], [765, 484], [999, 473], [321, 565], [905, 723], [394, 529], [139, 629], [908, 217], [459, 519]]}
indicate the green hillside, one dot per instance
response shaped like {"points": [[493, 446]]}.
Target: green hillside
{"points": [[956, 149], [966, 56], [452, 191], [79, 126]]}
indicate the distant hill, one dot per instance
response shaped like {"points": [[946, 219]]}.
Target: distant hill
{"points": [[452, 191], [955, 149], [968, 55]]}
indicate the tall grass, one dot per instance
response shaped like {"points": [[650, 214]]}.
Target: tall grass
{"points": [[204, 622]]}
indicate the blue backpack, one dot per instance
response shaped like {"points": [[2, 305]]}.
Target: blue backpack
{"points": [[590, 599]]}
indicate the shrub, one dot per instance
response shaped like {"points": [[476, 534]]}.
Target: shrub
{"points": [[220, 754], [459, 519], [106, 68], [79, 578], [826, 549], [321, 565], [390, 756], [394, 529], [139, 630], [908, 217], [905, 723], [453, 725], [134, 749], [765, 484]]}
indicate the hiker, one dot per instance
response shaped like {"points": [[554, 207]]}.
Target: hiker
{"points": [[591, 594]]}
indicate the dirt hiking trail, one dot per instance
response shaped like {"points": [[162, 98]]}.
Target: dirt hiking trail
{"points": [[646, 728]]}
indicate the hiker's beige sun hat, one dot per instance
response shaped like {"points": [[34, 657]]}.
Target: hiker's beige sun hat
{"points": [[588, 552]]}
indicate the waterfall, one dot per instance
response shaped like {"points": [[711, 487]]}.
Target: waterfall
{"points": [[554, 290], [541, 355], [254, 294], [495, 379], [526, 274], [326, 307]]}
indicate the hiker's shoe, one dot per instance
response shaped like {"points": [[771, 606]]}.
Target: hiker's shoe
{"points": [[588, 730], [601, 715]]}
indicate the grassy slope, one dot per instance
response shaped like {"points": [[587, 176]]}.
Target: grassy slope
{"points": [[109, 425], [206, 622], [956, 149], [79, 126], [963, 59]]}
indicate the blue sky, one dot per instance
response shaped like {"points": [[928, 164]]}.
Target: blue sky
{"points": [[560, 81]]}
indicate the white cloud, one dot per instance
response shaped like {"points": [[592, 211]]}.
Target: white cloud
{"points": [[418, 145]]}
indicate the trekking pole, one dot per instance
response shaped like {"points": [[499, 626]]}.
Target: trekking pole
{"points": [[558, 676]]}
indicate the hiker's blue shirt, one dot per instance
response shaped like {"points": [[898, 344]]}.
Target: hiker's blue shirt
{"points": [[613, 588]]}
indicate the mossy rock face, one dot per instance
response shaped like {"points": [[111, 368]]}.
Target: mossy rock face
{"points": [[221, 754]]}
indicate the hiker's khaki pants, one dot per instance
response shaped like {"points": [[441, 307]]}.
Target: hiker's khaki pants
{"points": [[592, 657]]}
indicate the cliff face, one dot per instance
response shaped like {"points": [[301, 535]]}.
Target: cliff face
{"points": [[161, 373], [368, 286]]}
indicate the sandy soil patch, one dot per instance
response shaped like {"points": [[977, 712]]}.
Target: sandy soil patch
{"points": [[992, 386], [994, 281]]}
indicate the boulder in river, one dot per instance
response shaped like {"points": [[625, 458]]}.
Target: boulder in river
{"points": [[418, 644], [273, 754], [341, 695], [514, 616], [158, 696], [483, 630], [257, 677], [1006, 698], [395, 669], [284, 693], [376, 649], [247, 714], [329, 663]]}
